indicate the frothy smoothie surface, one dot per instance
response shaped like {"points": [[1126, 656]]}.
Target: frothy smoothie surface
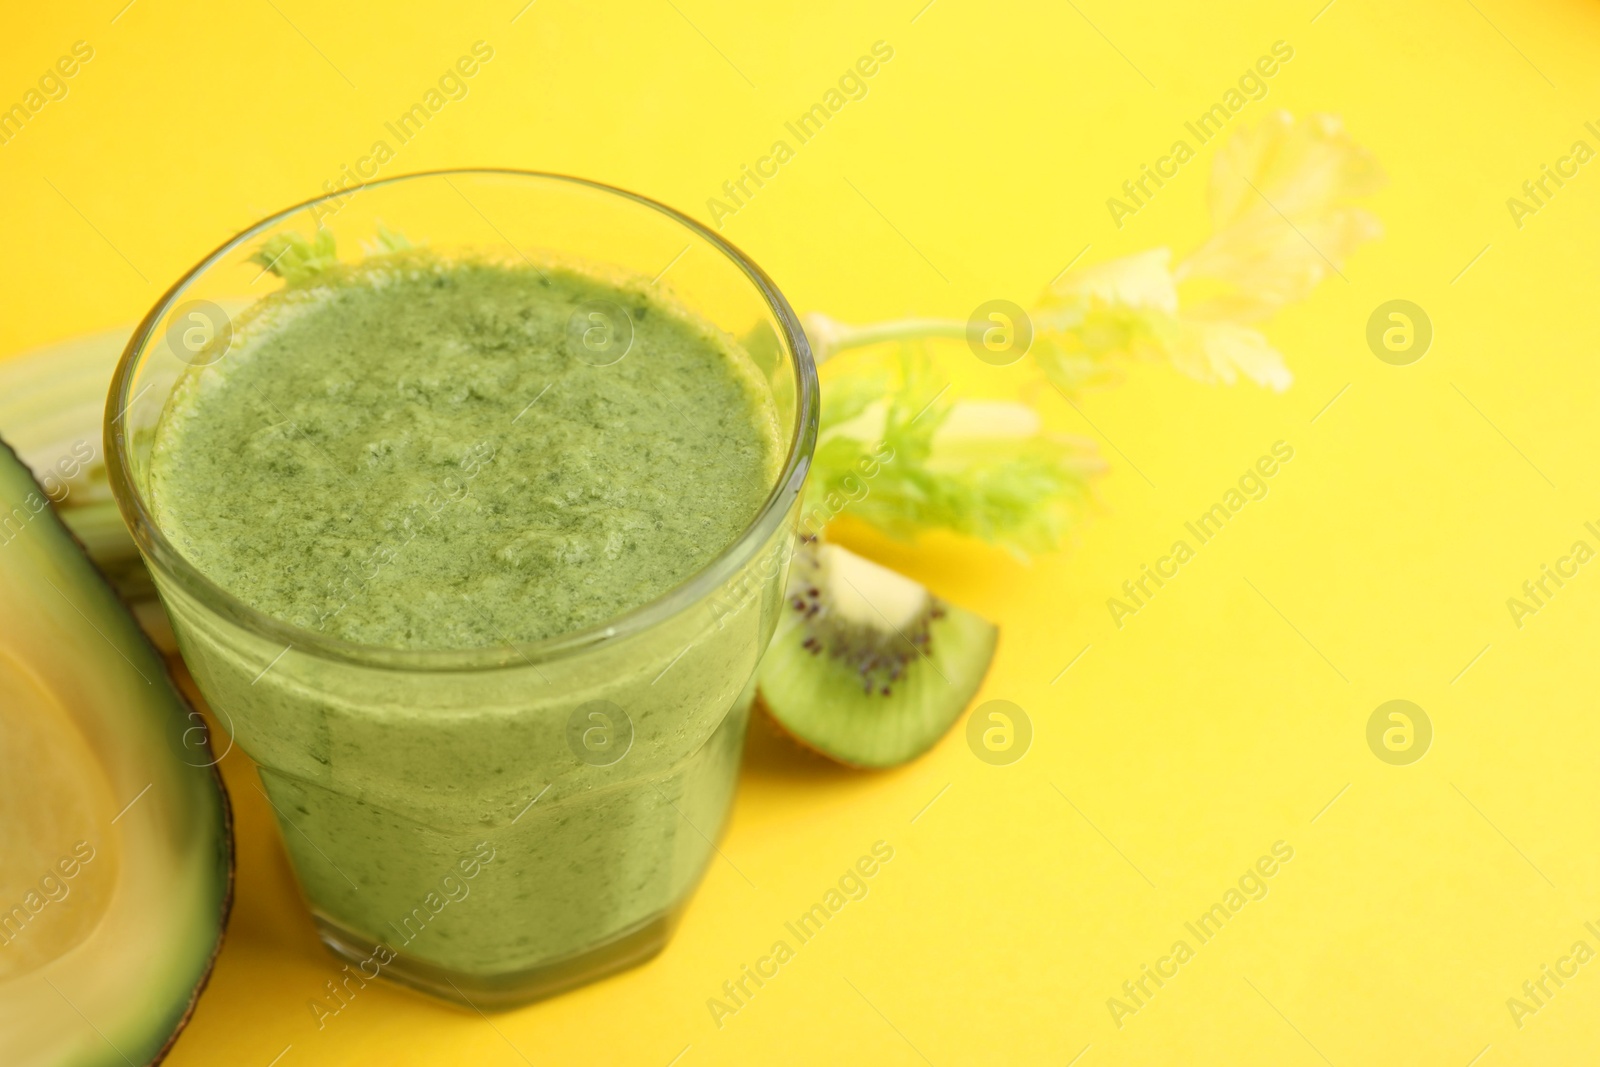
{"points": [[420, 453]]}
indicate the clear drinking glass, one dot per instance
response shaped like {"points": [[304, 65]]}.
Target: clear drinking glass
{"points": [[499, 824]]}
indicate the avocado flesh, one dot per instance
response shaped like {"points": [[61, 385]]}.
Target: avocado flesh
{"points": [[811, 680], [117, 867]]}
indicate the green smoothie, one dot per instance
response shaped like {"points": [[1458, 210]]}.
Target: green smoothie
{"points": [[410, 455], [425, 453]]}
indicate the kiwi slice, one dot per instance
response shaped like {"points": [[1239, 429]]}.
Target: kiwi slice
{"points": [[868, 667]]}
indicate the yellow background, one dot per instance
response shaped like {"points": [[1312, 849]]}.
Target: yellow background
{"points": [[1177, 749]]}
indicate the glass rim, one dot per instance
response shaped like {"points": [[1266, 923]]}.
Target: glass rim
{"points": [[159, 551]]}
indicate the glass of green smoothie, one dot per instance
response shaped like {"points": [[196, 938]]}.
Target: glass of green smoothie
{"points": [[470, 496]]}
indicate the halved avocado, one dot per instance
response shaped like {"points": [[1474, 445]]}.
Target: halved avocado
{"points": [[117, 869]]}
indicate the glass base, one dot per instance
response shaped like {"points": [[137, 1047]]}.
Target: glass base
{"points": [[511, 989]]}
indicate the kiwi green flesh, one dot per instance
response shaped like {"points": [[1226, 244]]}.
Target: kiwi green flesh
{"points": [[819, 696]]}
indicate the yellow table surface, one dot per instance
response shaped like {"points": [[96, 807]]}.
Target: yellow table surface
{"points": [[1228, 715]]}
